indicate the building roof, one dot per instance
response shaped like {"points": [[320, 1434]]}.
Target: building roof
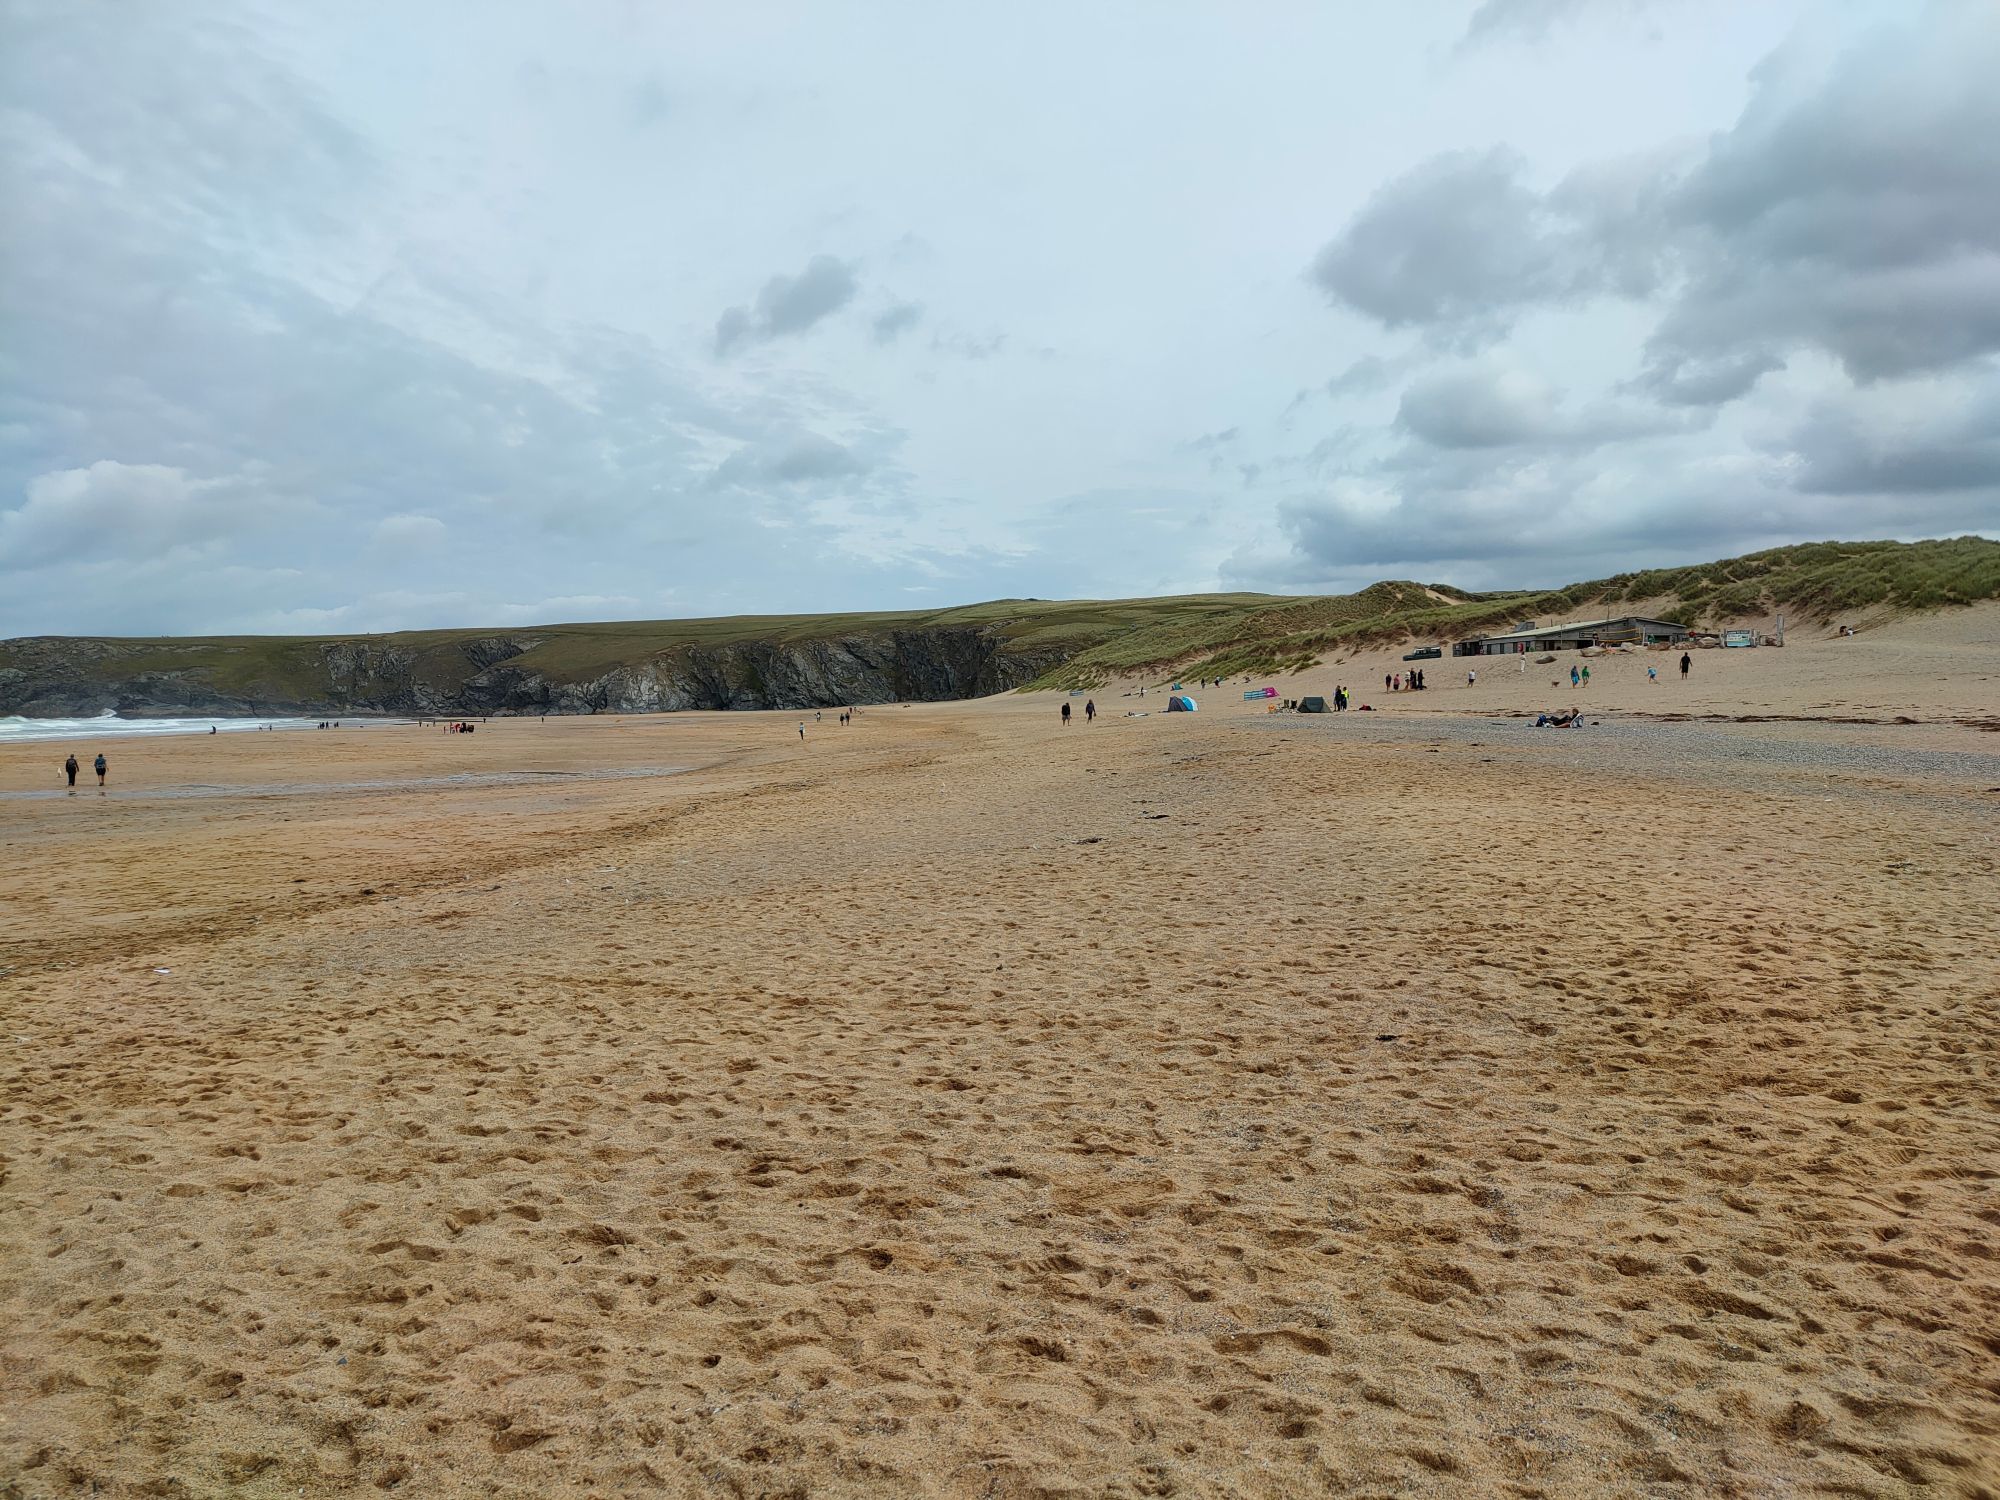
{"points": [[1580, 627]]}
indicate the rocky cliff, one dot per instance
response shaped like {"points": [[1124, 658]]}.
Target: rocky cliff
{"points": [[473, 675]]}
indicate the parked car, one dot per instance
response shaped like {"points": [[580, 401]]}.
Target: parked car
{"points": [[1424, 653]]}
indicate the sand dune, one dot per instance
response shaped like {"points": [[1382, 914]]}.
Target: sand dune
{"points": [[960, 1105]]}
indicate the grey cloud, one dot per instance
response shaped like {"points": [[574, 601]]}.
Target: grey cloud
{"points": [[1483, 406], [1484, 497], [1476, 409], [1531, 20], [108, 508], [788, 304], [1940, 445], [1452, 246], [1546, 529], [1708, 382], [1858, 219], [894, 321], [106, 91], [789, 460], [1881, 324], [1518, 20]]}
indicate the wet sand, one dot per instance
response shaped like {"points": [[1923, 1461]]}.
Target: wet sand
{"points": [[961, 1105]]}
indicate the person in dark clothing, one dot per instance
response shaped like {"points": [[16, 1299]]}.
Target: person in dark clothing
{"points": [[102, 767], [1090, 710], [1065, 716], [70, 768], [1686, 662]]}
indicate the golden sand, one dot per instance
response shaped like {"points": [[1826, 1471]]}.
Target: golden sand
{"points": [[960, 1105]]}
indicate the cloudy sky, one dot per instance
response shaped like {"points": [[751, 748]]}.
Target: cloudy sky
{"points": [[383, 315]]}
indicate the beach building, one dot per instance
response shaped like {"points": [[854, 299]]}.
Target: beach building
{"points": [[1625, 630]]}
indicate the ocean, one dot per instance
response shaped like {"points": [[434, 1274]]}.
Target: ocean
{"points": [[108, 726]]}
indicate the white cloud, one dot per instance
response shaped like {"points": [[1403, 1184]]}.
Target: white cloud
{"points": [[110, 508]]}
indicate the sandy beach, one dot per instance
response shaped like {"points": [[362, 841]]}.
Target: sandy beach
{"points": [[957, 1104]]}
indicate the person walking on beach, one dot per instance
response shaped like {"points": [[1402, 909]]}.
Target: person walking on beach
{"points": [[1065, 716], [802, 731], [1586, 676], [70, 768], [1652, 674], [1686, 662], [1090, 710], [102, 766], [1471, 676], [1572, 674]]}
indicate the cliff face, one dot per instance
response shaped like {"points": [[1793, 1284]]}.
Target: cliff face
{"points": [[60, 676]]}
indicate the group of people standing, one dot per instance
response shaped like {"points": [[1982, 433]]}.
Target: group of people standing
{"points": [[1399, 682]]}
